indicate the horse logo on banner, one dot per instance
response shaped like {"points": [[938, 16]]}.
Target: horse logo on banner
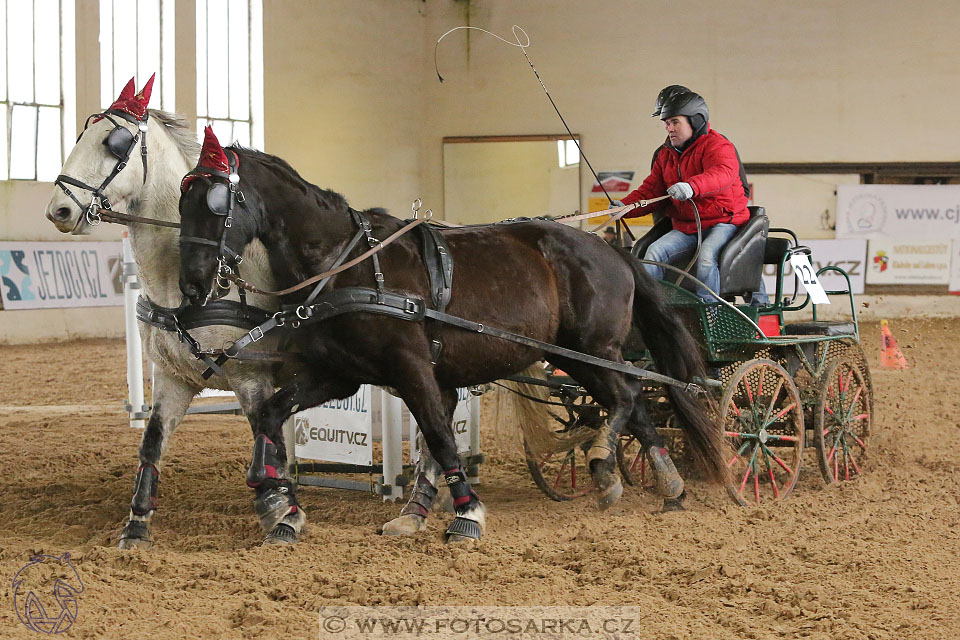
{"points": [[32, 587]]}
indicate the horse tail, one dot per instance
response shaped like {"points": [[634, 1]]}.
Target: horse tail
{"points": [[677, 355], [523, 406]]}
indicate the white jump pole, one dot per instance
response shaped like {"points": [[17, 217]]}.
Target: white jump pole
{"points": [[131, 290], [392, 439]]}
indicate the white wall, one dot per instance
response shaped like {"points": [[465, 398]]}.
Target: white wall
{"points": [[352, 99]]}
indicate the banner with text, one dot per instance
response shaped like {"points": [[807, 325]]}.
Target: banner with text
{"points": [[38, 275], [463, 424], [336, 431], [898, 211], [849, 255], [955, 268], [908, 261]]}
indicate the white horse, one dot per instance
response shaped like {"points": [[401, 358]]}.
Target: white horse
{"points": [[172, 151], [151, 190]]}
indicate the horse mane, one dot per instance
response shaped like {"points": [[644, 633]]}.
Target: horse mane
{"points": [[182, 134], [328, 197]]}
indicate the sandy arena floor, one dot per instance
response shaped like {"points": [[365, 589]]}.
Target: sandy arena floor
{"points": [[876, 558]]}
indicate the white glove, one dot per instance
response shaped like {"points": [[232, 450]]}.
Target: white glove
{"points": [[680, 191], [614, 204]]}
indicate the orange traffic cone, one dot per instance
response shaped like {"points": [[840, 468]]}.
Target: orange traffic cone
{"points": [[890, 355]]}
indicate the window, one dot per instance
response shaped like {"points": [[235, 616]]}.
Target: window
{"points": [[37, 117], [230, 70], [568, 152], [137, 40]]}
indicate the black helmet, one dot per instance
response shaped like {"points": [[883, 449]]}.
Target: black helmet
{"points": [[686, 103], [665, 94]]}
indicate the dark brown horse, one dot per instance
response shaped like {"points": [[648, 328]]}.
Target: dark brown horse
{"points": [[540, 279]]}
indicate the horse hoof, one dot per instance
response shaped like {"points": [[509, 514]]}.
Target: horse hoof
{"points": [[135, 536], [607, 495], [462, 530], [281, 534], [135, 543], [674, 504], [405, 525]]}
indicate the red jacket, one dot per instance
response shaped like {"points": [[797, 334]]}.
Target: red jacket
{"points": [[709, 165]]}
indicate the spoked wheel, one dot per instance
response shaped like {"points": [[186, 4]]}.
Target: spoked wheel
{"points": [[842, 421], [561, 476], [763, 420], [633, 463], [565, 476]]}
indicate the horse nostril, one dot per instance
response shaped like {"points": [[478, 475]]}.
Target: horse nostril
{"points": [[62, 213]]}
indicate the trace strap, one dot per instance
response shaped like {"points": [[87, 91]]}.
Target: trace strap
{"points": [[630, 370]]}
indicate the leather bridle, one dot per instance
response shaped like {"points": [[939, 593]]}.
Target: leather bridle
{"points": [[221, 198], [121, 143]]}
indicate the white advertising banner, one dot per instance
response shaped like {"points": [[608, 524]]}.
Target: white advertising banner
{"points": [[909, 261], [898, 211], [955, 268], [849, 255], [463, 424], [38, 275], [336, 431]]}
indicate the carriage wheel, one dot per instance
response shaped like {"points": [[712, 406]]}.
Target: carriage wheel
{"points": [[763, 420], [561, 476], [842, 421], [633, 463]]}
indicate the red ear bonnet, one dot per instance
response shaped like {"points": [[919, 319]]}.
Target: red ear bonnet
{"points": [[134, 104], [212, 156]]}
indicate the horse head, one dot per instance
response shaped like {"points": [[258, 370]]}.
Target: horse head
{"points": [[103, 170], [212, 238]]}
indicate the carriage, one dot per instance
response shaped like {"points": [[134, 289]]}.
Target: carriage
{"points": [[783, 387]]}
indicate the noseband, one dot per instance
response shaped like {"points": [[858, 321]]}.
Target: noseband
{"points": [[221, 198], [121, 143]]}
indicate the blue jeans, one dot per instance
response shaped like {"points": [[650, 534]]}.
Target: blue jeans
{"points": [[676, 248]]}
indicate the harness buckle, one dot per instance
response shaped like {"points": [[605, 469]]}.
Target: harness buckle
{"points": [[255, 334], [410, 306], [228, 222], [279, 318], [121, 166], [378, 276], [304, 312], [92, 213]]}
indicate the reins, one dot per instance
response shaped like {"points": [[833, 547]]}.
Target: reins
{"points": [[617, 213], [240, 282]]}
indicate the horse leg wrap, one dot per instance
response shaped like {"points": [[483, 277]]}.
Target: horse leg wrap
{"points": [[464, 496], [421, 498], [669, 482], [470, 520], [600, 461], [265, 462], [275, 500], [275, 495], [145, 490], [604, 444]]}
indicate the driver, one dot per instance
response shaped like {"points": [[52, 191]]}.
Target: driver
{"points": [[694, 165]]}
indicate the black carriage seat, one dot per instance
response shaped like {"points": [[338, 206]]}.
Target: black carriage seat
{"points": [[820, 328], [740, 261]]}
